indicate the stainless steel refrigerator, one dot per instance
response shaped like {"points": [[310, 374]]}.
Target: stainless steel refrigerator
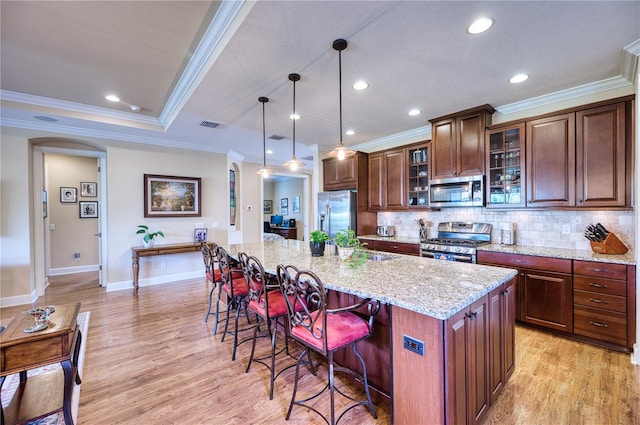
{"points": [[337, 211]]}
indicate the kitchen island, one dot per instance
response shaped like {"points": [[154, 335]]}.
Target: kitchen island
{"points": [[449, 331]]}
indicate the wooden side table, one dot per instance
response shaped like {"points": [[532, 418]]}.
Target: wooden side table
{"points": [[20, 351]]}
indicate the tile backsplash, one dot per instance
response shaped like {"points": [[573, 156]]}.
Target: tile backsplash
{"points": [[553, 229]]}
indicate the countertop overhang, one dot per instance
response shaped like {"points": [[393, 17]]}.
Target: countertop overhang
{"points": [[435, 288]]}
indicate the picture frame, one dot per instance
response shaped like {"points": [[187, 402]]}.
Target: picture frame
{"points": [[68, 195], [44, 204], [172, 196], [88, 209], [89, 189], [295, 205], [267, 206], [284, 206], [200, 235]]}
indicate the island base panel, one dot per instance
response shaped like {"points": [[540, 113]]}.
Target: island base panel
{"points": [[418, 380]]}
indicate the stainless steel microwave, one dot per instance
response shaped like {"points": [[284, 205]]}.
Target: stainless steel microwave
{"points": [[457, 192]]}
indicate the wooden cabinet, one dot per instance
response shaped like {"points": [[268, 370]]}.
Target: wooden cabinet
{"points": [[505, 167], [467, 364], [544, 288], [602, 304], [339, 175], [458, 147], [578, 159], [392, 246], [285, 232], [418, 175], [502, 314], [387, 181], [600, 156]]}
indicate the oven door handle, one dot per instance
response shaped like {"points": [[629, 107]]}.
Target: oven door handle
{"points": [[429, 254]]}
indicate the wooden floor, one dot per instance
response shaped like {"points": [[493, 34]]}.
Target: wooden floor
{"points": [[151, 359]]}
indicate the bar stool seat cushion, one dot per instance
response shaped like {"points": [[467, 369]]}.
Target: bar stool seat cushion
{"points": [[235, 274], [277, 304], [239, 287], [342, 329]]}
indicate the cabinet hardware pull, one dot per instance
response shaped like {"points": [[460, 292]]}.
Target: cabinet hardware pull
{"points": [[596, 300], [519, 261], [600, 270], [598, 324], [598, 285]]}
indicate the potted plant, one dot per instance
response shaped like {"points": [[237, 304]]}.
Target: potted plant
{"points": [[317, 242], [346, 243], [147, 239]]}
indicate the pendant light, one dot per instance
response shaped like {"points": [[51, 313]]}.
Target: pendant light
{"points": [[264, 170], [293, 163], [341, 151]]}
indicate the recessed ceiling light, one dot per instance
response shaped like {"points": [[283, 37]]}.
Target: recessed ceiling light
{"points": [[112, 98], [294, 116], [518, 78], [360, 85], [480, 25], [269, 151], [415, 112], [349, 132]]}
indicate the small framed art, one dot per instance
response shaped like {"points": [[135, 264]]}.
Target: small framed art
{"points": [[68, 195], [284, 206], [267, 206], [88, 209], [88, 189], [200, 235], [295, 205]]}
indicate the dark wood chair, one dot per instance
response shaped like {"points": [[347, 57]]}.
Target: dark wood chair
{"points": [[326, 331]]}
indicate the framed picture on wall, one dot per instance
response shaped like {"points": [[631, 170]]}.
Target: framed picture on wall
{"points": [[88, 209], [44, 204], [295, 205], [267, 206], [170, 196], [284, 206], [200, 235], [68, 195], [89, 189]]}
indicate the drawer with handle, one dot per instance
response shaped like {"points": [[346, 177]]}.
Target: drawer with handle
{"points": [[606, 270], [602, 286], [600, 324], [604, 301]]}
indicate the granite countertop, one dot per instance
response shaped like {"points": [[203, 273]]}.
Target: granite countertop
{"points": [[572, 254], [435, 288], [399, 239]]}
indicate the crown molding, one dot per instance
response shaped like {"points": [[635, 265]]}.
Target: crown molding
{"points": [[407, 137], [562, 95], [630, 55], [222, 27]]}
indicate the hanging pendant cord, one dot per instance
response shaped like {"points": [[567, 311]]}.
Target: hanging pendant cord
{"points": [[264, 140], [340, 89], [294, 118]]}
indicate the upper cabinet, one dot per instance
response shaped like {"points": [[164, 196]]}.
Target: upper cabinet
{"points": [[579, 159], [387, 180], [418, 174], [505, 167], [458, 146], [339, 175]]}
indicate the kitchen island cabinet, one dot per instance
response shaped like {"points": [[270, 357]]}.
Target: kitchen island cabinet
{"points": [[422, 297]]}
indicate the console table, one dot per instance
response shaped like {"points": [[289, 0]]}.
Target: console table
{"points": [[140, 251], [285, 232], [20, 351]]}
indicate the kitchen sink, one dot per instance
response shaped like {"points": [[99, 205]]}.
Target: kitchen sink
{"points": [[378, 256]]}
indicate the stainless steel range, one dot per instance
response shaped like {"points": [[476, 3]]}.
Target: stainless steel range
{"points": [[456, 241]]}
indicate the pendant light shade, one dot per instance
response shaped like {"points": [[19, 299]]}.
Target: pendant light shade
{"points": [[341, 151], [294, 163], [264, 170]]}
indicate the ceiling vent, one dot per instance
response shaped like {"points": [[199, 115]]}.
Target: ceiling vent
{"points": [[275, 137], [209, 124]]}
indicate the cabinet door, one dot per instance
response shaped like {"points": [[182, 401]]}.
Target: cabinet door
{"points": [[377, 188], [547, 299], [550, 149], [330, 173], [395, 166], [347, 170], [600, 153], [496, 367], [509, 297], [456, 367], [444, 150], [470, 155], [478, 361]]}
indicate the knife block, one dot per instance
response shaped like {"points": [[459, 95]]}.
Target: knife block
{"points": [[611, 245]]}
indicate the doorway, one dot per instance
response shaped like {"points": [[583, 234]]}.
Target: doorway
{"points": [[69, 184], [287, 195]]}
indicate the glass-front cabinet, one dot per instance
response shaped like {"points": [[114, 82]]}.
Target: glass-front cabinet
{"points": [[418, 175], [505, 166]]}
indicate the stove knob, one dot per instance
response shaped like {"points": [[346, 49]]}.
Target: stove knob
{"points": [[457, 249]]}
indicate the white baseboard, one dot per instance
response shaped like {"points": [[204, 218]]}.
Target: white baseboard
{"points": [[19, 299], [76, 269], [157, 280]]}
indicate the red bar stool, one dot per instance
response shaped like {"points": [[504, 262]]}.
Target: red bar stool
{"points": [[326, 331], [268, 303], [236, 290], [214, 276]]}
